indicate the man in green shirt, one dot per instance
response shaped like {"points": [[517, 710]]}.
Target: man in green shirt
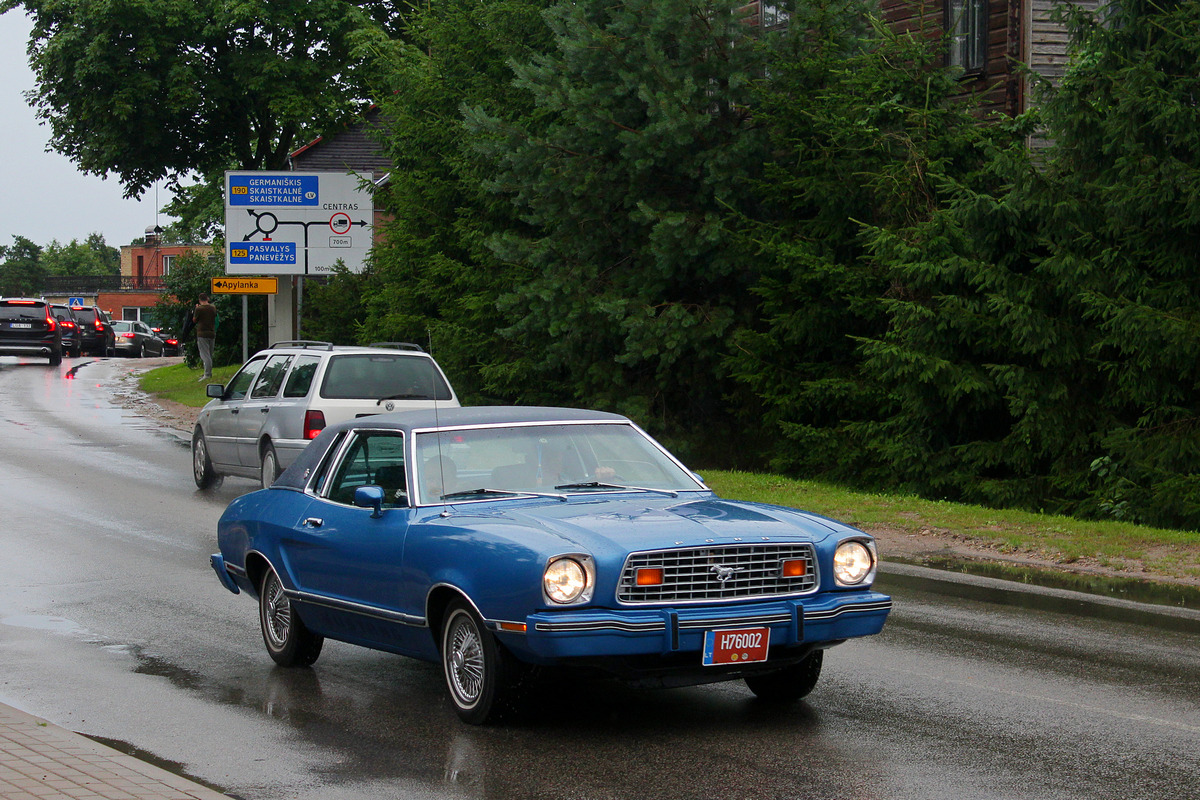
{"points": [[205, 317]]}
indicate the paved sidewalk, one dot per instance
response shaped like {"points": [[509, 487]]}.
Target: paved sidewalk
{"points": [[41, 761]]}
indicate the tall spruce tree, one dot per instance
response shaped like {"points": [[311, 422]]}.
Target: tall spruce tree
{"points": [[432, 279], [641, 147], [1044, 350], [1127, 130], [867, 133]]}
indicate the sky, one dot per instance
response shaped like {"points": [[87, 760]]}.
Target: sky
{"points": [[43, 196]]}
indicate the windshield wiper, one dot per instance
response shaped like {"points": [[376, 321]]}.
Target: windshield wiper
{"points": [[514, 492], [403, 397], [616, 487]]}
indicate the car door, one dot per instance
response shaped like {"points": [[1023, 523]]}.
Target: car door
{"points": [[221, 427], [257, 407], [150, 342], [349, 560]]}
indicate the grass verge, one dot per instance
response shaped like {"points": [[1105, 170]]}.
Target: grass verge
{"points": [[182, 385], [1063, 539]]}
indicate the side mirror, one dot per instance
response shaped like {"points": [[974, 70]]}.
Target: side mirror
{"points": [[370, 497], [214, 390]]}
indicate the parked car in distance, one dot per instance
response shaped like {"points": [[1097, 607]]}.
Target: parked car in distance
{"points": [[494, 539], [96, 329], [134, 338], [28, 328], [285, 395], [170, 341], [72, 344]]}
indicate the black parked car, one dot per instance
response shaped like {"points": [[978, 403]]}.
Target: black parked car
{"points": [[28, 328], [170, 341], [72, 345], [96, 328]]}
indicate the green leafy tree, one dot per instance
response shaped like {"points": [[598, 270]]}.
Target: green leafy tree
{"points": [[21, 271], [89, 257], [192, 276], [160, 89]]}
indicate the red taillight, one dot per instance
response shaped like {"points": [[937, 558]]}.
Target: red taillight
{"points": [[314, 423], [50, 323], [172, 342], [68, 324], [128, 335], [21, 302], [99, 323]]}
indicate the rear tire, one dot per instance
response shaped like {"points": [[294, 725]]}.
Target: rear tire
{"points": [[55, 358], [270, 466], [202, 468], [289, 641], [790, 683]]}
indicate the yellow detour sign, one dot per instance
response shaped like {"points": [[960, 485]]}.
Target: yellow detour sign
{"points": [[240, 285]]}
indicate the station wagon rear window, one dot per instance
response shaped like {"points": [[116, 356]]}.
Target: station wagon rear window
{"points": [[371, 376]]}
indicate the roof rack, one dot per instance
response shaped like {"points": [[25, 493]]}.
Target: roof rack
{"points": [[303, 343], [398, 346]]}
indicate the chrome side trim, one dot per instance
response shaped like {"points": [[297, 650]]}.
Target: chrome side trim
{"points": [[356, 608]]}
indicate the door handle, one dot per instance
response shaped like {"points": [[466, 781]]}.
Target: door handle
{"points": [[234, 410], [314, 522], [265, 409]]}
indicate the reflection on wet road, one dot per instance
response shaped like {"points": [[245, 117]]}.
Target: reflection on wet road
{"points": [[111, 623]]}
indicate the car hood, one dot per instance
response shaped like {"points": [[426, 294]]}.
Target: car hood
{"points": [[612, 526]]}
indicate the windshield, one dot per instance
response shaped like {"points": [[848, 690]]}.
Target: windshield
{"points": [[543, 459]]}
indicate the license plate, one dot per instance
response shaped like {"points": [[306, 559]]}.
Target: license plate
{"points": [[21, 325], [737, 646]]}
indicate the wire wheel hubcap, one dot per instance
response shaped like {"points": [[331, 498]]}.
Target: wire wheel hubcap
{"points": [[278, 613], [465, 661]]}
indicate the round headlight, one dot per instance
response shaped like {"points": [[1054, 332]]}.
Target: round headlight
{"points": [[565, 580], [852, 563]]}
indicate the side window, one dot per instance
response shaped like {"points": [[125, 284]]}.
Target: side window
{"points": [[373, 459], [241, 382], [299, 382], [270, 377]]}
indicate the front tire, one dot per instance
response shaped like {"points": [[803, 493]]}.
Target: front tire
{"points": [[790, 683], [481, 675], [289, 641], [270, 466], [202, 468]]}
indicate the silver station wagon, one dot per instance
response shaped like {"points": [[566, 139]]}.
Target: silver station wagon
{"points": [[287, 394]]}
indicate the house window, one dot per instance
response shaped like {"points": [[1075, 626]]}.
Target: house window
{"points": [[967, 22], [168, 262]]}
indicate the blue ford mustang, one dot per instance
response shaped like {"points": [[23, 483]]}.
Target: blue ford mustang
{"points": [[495, 540]]}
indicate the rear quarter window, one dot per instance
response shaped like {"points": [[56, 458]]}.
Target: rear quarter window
{"points": [[300, 381]]}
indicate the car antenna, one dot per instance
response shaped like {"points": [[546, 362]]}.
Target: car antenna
{"points": [[437, 423]]}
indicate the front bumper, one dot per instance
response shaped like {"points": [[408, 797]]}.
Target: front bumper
{"points": [[816, 620]]}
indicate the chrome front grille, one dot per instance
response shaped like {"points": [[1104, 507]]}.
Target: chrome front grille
{"points": [[694, 575]]}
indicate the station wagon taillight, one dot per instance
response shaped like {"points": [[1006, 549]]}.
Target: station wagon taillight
{"points": [[50, 323], [314, 423]]}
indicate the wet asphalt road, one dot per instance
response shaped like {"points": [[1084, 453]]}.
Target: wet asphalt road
{"points": [[112, 624]]}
